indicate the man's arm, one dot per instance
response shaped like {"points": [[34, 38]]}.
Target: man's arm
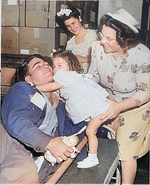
{"points": [[21, 118]]}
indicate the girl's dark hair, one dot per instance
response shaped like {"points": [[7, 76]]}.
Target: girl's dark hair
{"points": [[125, 36], [61, 19], [23, 69], [70, 58]]}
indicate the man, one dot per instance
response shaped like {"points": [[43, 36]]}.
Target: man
{"points": [[30, 117]]}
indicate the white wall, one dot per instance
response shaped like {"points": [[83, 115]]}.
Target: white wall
{"points": [[134, 7]]}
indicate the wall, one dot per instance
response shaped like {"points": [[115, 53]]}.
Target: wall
{"points": [[27, 27], [134, 7]]}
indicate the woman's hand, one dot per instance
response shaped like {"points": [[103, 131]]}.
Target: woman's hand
{"points": [[117, 107], [113, 111]]}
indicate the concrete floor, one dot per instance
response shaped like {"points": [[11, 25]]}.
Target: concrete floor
{"points": [[142, 176]]}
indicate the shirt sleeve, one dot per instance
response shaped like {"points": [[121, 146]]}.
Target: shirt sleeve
{"points": [[142, 78]]}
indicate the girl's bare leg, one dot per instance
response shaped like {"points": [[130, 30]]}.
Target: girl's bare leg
{"points": [[92, 159], [91, 131]]}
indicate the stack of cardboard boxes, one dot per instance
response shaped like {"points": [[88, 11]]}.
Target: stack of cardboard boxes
{"points": [[28, 26]]}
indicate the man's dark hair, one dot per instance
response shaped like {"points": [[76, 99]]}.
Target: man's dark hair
{"points": [[23, 69]]}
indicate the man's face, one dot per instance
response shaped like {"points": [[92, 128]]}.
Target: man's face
{"points": [[40, 72]]}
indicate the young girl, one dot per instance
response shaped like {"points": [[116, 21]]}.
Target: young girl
{"points": [[85, 99]]}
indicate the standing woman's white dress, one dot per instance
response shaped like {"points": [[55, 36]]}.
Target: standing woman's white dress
{"points": [[84, 48]]}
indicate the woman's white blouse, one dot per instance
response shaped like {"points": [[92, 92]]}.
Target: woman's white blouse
{"points": [[84, 48]]}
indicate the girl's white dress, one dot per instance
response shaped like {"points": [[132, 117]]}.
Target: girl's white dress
{"points": [[85, 99]]}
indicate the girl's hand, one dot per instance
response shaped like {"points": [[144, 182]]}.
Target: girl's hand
{"points": [[112, 112]]}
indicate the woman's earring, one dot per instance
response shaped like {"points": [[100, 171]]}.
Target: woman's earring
{"points": [[80, 20]]}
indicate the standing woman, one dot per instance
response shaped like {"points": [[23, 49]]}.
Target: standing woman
{"points": [[122, 65], [80, 44]]}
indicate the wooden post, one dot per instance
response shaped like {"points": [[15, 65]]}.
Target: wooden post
{"points": [[63, 167]]}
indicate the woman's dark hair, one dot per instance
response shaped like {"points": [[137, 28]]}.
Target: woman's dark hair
{"points": [[23, 69], [125, 36], [61, 19], [70, 59]]}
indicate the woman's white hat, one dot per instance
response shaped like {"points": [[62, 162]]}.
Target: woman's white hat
{"points": [[124, 17]]}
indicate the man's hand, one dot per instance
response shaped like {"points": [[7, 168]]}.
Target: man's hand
{"points": [[59, 149]]}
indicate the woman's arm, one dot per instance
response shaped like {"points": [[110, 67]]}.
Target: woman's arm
{"points": [[49, 86], [82, 59], [141, 69], [143, 87]]}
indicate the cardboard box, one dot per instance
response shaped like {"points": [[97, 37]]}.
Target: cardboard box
{"points": [[36, 40], [10, 13], [7, 76], [52, 13], [37, 13], [7, 79], [22, 18], [9, 40]]}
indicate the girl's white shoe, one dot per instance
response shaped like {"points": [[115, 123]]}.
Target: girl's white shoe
{"points": [[88, 162]]}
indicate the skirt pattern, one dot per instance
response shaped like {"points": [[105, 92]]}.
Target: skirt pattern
{"points": [[133, 134]]}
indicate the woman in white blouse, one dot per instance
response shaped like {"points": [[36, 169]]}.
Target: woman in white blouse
{"points": [[80, 43], [122, 65]]}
